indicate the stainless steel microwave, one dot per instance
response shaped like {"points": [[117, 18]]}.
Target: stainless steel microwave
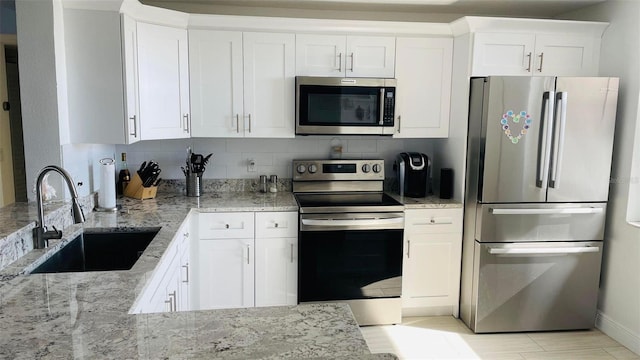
{"points": [[345, 106]]}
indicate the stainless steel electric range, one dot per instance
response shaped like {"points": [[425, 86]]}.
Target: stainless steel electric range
{"points": [[350, 239]]}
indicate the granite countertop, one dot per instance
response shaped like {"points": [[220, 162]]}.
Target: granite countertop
{"points": [[428, 202], [85, 315]]}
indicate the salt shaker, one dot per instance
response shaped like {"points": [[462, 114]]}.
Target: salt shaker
{"points": [[273, 186]]}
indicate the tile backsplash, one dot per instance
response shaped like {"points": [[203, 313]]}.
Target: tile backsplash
{"points": [[272, 156]]}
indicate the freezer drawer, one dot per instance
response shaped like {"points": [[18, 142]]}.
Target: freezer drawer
{"points": [[540, 222], [535, 286]]}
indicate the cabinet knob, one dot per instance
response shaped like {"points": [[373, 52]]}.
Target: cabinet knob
{"points": [[275, 225], [433, 221], [226, 226]]}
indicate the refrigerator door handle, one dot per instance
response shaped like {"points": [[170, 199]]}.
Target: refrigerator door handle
{"points": [[556, 211], [543, 250], [558, 143], [546, 132]]}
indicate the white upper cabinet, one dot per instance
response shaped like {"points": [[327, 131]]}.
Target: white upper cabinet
{"points": [[534, 54], [163, 73], [215, 71], [269, 84], [423, 70], [242, 84], [102, 81], [345, 56]]}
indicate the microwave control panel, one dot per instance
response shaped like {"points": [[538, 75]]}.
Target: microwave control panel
{"points": [[389, 106]]}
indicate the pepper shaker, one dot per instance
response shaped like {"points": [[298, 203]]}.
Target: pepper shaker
{"points": [[262, 185]]}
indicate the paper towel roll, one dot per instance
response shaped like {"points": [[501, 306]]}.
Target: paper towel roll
{"points": [[107, 192]]}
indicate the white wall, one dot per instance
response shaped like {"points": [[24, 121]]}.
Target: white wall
{"points": [[619, 303], [273, 156], [44, 99]]}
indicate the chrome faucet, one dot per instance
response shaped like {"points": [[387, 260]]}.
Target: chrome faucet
{"points": [[41, 235]]}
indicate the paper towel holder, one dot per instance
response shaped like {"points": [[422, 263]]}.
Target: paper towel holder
{"points": [[98, 208]]}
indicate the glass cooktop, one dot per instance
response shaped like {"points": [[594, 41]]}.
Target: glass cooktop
{"points": [[370, 201]]}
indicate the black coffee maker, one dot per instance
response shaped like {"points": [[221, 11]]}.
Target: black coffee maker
{"points": [[414, 174]]}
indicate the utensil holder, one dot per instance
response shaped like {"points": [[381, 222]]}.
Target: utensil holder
{"points": [[135, 189], [194, 184]]}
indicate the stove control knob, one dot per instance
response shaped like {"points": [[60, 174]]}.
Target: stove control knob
{"points": [[366, 168], [301, 169], [377, 168], [313, 168]]}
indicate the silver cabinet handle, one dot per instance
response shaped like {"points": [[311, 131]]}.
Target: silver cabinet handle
{"points": [[541, 56], [351, 56], [171, 302], [185, 127], [558, 143], [543, 251], [186, 268], [340, 62], [529, 66], [292, 253], [238, 123], [249, 123], [559, 211], [248, 253], [135, 127], [399, 119], [408, 249], [542, 173]]}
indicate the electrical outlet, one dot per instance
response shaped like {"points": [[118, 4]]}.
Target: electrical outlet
{"points": [[251, 165]]}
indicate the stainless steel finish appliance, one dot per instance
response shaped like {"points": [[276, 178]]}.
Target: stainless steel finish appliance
{"points": [[537, 181], [358, 106], [350, 239], [414, 174]]}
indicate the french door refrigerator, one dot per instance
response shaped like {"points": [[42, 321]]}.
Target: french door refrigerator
{"points": [[537, 182]]}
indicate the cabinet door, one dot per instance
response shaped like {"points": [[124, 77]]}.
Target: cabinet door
{"points": [[320, 55], [431, 274], [226, 273], [503, 54], [184, 271], [163, 82], [276, 258], [215, 73], [565, 55], [423, 70], [276, 271], [130, 60], [269, 81], [370, 56]]}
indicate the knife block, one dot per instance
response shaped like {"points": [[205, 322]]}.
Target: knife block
{"points": [[135, 189]]}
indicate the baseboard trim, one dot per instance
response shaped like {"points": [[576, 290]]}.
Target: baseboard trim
{"points": [[618, 332]]}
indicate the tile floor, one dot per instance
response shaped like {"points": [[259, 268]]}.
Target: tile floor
{"points": [[444, 337]]}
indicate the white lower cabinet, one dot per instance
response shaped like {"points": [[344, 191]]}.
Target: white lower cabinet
{"points": [[246, 259], [169, 288], [431, 265]]}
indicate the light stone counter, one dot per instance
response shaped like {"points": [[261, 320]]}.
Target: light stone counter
{"points": [[429, 202], [85, 315]]}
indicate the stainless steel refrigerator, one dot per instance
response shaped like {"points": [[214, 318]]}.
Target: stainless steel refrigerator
{"points": [[537, 182]]}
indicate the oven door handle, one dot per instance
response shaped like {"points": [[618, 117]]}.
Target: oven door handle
{"points": [[352, 222]]}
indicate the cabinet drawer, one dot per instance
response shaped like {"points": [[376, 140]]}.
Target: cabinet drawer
{"points": [[433, 221], [232, 225], [276, 224]]}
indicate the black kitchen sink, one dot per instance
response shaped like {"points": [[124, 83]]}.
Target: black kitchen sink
{"points": [[100, 250]]}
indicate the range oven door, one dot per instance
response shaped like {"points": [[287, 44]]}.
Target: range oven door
{"points": [[345, 106], [350, 256]]}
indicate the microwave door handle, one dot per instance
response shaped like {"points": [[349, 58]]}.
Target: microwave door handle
{"points": [[381, 114]]}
